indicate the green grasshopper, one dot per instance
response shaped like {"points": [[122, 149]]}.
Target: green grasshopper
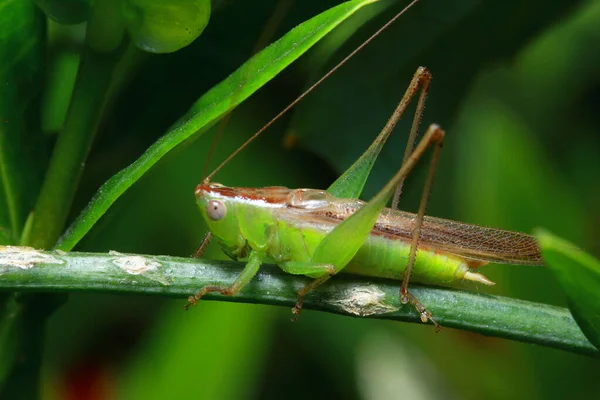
{"points": [[321, 233]]}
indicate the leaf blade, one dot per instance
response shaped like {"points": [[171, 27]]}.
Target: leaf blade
{"points": [[579, 275]]}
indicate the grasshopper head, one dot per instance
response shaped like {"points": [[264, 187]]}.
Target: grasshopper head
{"points": [[241, 217], [218, 207]]}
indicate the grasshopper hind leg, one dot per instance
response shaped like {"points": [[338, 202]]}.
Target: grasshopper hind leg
{"points": [[435, 135], [408, 298]]}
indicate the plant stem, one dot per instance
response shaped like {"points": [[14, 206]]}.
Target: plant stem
{"points": [[72, 146], [26, 269]]}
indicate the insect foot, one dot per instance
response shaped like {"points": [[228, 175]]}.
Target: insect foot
{"points": [[297, 308], [225, 291], [407, 297], [192, 301]]}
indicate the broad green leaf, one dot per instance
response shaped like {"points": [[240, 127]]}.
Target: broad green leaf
{"points": [[579, 275], [210, 107], [21, 30], [167, 25]]}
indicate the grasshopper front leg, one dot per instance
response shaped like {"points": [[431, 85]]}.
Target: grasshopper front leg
{"points": [[254, 261], [203, 245]]}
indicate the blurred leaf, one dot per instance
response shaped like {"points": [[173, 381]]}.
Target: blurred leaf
{"points": [[511, 162], [65, 11], [189, 353], [22, 30], [358, 100], [332, 42], [516, 133], [210, 107], [21, 38], [512, 190], [73, 145], [165, 26], [387, 365], [579, 275], [60, 80], [10, 337], [23, 324], [105, 29]]}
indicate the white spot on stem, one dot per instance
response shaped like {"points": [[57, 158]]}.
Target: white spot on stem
{"points": [[363, 301], [134, 265], [25, 257]]}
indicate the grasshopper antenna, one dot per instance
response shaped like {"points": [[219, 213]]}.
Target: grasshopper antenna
{"points": [[310, 89], [268, 32]]}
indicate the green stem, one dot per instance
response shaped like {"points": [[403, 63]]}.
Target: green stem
{"points": [[25, 269], [72, 147], [105, 44]]}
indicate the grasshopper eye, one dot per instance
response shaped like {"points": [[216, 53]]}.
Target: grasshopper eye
{"points": [[216, 210]]}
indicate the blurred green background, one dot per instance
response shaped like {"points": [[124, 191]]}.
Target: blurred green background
{"points": [[516, 86]]}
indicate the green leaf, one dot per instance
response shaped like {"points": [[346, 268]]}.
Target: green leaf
{"points": [[210, 107], [21, 34], [165, 26], [579, 275], [72, 146]]}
